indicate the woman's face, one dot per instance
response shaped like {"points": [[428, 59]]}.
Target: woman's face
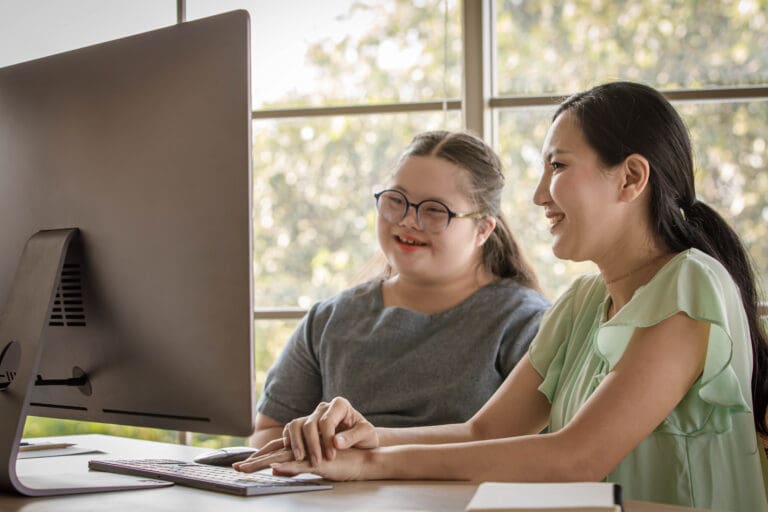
{"points": [[579, 195], [417, 253]]}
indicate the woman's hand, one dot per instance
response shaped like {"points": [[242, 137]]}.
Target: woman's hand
{"points": [[348, 465], [332, 426]]}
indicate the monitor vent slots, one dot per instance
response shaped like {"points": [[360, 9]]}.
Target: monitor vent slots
{"points": [[68, 304]]}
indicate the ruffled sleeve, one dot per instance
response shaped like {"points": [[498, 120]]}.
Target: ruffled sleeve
{"points": [[548, 348], [699, 286]]}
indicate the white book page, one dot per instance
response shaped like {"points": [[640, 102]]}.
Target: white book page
{"points": [[492, 495]]}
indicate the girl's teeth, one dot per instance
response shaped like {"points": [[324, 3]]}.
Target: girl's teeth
{"points": [[409, 242]]}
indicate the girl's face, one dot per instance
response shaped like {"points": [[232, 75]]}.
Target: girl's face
{"points": [[414, 252], [579, 195]]}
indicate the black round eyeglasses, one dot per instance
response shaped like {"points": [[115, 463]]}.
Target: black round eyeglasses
{"points": [[431, 215]]}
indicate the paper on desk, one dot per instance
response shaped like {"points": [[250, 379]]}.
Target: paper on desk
{"points": [[56, 452]]}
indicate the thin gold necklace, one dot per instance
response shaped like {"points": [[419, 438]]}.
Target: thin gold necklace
{"points": [[641, 267]]}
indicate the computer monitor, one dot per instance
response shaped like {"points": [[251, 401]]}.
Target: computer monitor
{"points": [[142, 144]]}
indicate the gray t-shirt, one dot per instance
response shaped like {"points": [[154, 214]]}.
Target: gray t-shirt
{"points": [[398, 367]]}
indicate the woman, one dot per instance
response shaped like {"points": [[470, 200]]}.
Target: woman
{"points": [[642, 372], [432, 340]]}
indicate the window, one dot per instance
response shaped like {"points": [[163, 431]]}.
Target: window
{"points": [[341, 86], [710, 60], [30, 29]]}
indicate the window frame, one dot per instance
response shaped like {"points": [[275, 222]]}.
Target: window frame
{"points": [[480, 103]]}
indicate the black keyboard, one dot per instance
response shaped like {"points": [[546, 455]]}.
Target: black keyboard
{"points": [[212, 478]]}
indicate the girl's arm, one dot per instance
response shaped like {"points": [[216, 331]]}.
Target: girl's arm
{"points": [[266, 429]]}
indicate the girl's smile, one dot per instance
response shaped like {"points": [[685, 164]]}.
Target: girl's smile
{"points": [[407, 243]]}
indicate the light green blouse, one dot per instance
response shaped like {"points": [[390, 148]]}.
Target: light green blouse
{"points": [[705, 453]]}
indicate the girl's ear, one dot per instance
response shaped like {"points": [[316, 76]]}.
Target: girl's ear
{"points": [[636, 172], [485, 227]]}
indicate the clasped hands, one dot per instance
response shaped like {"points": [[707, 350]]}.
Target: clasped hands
{"points": [[332, 442]]}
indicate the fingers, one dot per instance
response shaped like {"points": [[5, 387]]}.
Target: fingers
{"points": [[311, 434], [361, 435], [315, 437], [252, 464], [272, 446], [292, 468], [337, 412], [293, 432], [349, 465]]}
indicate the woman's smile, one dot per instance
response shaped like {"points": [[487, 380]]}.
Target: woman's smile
{"points": [[555, 218]]}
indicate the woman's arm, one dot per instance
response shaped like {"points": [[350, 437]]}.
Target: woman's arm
{"points": [[516, 408], [657, 369]]}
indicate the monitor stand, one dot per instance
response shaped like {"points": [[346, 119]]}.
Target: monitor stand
{"points": [[21, 345]]}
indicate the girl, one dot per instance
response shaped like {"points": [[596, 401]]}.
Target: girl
{"points": [[432, 340]]}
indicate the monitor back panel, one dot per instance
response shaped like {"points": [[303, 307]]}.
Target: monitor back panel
{"points": [[143, 143]]}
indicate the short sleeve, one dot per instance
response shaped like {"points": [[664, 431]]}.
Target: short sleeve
{"points": [[520, 324], [547, 350], [294, 385], [700, 287]]}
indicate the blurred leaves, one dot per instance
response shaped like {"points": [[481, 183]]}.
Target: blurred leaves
{"points": [[313, 178], [549, 46]]}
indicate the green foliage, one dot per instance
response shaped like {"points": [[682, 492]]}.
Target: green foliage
{"points": [[549, 46], [408, 51], [37, 427], [731, 161], [313, 178]]}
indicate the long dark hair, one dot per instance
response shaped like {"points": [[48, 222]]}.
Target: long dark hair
{"points": [[622, 118], [501, 253]]}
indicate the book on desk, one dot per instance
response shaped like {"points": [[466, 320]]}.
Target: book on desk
{"points": [[546, 497]]}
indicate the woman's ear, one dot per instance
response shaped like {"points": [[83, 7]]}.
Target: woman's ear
{"points": [[485, 227], [636, 171]]}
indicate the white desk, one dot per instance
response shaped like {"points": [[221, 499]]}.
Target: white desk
{"points": [[390, 496]]}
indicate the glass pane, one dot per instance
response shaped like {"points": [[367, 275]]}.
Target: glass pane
{"points": [[348, 52], [270, 336], [313, 184], [731, 159], [37, 426], [30, 29], [558, 47]]}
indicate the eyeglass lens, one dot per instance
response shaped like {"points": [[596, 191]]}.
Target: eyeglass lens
{"points": [[431, 215]]}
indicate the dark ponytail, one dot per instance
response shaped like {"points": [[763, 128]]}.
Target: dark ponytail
{"points": [[501, 253], [622, 118], [704, 229]]}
